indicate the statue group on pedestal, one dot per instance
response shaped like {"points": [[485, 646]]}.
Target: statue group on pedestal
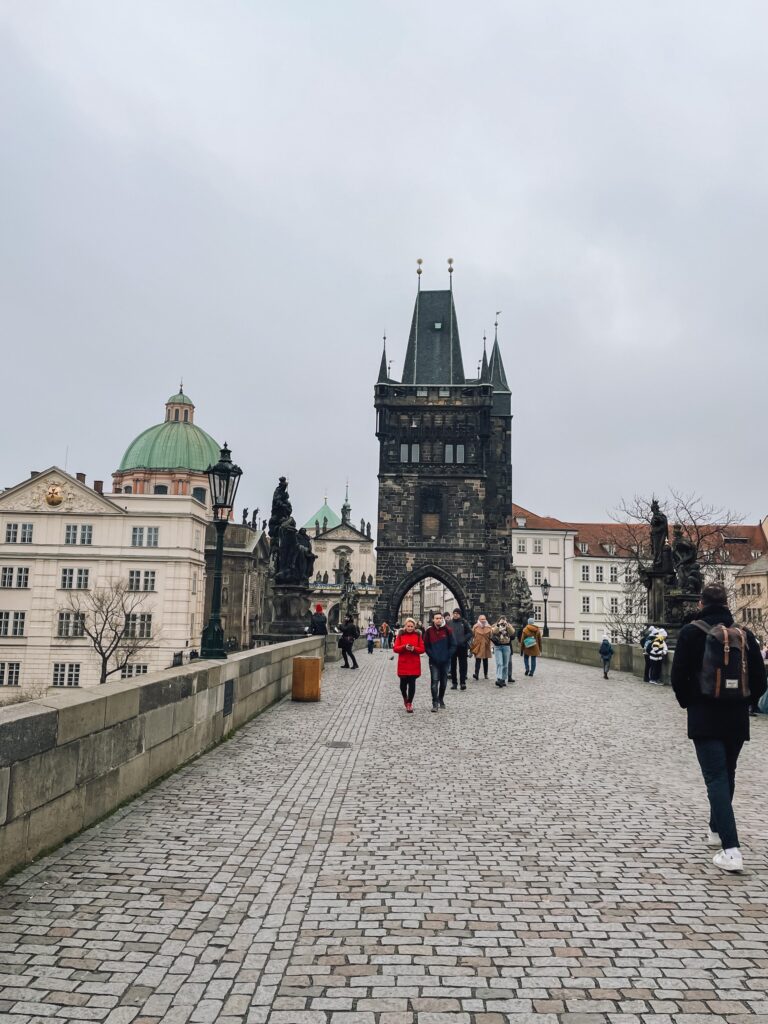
{"points": [[290, 550], [678, 562]]}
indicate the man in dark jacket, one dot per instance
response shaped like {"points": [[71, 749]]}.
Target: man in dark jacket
{"points": [[318, 625], [462, 634], [439, 645], [718, 728]]}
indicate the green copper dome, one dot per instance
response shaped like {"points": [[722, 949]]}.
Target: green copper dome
{"points": [[171, 446], [326, 512], [180, 399]]}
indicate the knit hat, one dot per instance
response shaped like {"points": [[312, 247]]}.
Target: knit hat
{"points": [[531, 622], [318, 607]]}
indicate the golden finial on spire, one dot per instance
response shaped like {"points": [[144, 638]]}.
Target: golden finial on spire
{"points": [[450, 264], [419, 261]]}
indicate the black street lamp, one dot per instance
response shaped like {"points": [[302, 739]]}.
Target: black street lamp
{"points": [[223, 479], [545, 589]]}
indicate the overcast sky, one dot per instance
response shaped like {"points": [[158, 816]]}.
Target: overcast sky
{"points": [[236, 192]]}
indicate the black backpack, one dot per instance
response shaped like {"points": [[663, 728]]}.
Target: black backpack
{"points": [[724, 673]]}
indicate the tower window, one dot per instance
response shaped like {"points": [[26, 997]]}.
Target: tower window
{"points": [[198, 493], [176, 415], [431, 509], [186, 415], [409, 452], [161, 489]]}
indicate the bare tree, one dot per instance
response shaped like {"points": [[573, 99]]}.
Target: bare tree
{"points": [[706, 525], [116, 620]]}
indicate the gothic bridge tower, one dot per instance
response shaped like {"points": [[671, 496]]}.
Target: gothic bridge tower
{"points": [[445, 475]]}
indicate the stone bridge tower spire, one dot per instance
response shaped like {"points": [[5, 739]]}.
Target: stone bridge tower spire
{"points": [[445, 480]]}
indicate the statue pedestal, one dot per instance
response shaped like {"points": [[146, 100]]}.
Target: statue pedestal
{"points": [[290, 603]]}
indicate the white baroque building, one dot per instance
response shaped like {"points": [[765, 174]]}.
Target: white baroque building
{"points": [[58, 536], [543, 549]]}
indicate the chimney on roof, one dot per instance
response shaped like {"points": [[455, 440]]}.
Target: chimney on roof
{"points": [[80, 477], [98, 486], [33, 473]]}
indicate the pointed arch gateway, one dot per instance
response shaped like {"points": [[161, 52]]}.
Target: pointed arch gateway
{"points": [[424, 572]]}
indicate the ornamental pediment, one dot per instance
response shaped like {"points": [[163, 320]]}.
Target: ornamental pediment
{"points": [[344, 533], [55, 491]]}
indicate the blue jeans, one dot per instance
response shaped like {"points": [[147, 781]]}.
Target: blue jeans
{"points": [[530, 663], [717, 759], [501, 654]]}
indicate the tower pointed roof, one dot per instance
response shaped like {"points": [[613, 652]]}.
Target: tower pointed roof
{"points": [[485, 377], [498, 377], [383, 370], [434, 350]]}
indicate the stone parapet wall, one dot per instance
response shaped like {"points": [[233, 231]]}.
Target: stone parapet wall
{"points": [[71, 756], [626, 657]]}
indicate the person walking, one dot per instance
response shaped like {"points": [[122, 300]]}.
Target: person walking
{"points": [[530, 646], [717, 672], [462, 634], [481, 645], [657, 652], [371, 635], [409, 647], [386, 636], [501, 637], [439, 645], [606, 653], [318, 624], [349, 633]]}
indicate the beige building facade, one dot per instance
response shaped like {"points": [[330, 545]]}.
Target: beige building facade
{"points": [[61, 543]]}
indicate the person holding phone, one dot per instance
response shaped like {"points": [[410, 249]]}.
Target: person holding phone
{"points": [[409, 648]]}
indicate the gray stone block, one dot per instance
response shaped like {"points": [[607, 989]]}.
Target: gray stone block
{"points": [[163, 758], [122, 701], [13, 844], [100, 752], [158, 726], [79, 712], [102, 795], [133, 777], [183, 715], [165, 691], [26, 730], [40, 779], [54, 822], [5, 778]]}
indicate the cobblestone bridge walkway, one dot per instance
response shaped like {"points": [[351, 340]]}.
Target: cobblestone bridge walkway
{"points": [[528, 855]]}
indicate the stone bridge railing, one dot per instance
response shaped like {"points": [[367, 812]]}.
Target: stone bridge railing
{"points": [[626, 657], [72, 756]]}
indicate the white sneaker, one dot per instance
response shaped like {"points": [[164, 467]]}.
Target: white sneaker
{"points": [[713, 841], [729, 860]]}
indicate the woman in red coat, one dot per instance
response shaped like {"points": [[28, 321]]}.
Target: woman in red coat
{"points": [[409, 647]]}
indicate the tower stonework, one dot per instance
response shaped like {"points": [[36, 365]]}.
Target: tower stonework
{"points": [[445, 478]]}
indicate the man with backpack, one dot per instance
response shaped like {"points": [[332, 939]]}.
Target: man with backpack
{"points": [[717, 673]]}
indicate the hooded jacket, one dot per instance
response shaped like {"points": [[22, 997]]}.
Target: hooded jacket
{"points": [[462, 632], [707, 718], [408, 662], [534, 651], [318, 625]]}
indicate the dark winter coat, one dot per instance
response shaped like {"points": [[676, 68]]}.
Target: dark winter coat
{"points": [[408, 662], [349, 633], [707, 718], [318, 625], [439, 644], [606, 650], [462, 632]]}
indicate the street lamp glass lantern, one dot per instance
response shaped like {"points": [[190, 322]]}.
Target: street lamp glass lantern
{"points": [[223, 479], [545, 589]]}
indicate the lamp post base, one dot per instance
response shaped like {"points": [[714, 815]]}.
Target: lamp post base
{"points": [[212, 645]]}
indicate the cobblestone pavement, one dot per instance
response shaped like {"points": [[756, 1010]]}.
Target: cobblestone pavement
{"points": [[527, 855]]}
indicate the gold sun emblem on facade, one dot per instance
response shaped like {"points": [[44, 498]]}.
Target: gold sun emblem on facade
{"points": [[54, 495]]}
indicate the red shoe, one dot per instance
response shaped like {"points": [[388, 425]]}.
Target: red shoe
{"points": [[409, 708]]}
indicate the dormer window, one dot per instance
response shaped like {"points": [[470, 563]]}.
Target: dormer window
{"points": [[521, 521]]}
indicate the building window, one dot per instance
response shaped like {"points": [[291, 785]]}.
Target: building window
{"points": [[66, 673], [137, 537], [138, 627], [585, 634], [522, 546], [628, 605], [431, 509], [585, 574], [613, 605], [538, 612], [614, 574], [83, 575], [422, 392], [86, 534], [538, 546], [153, 536], [134, 579], [449, 453], [128, 490], [409, 452], [22, 578], [454, 453], [750, 589], [199, 494], [129, 671], [584, 548], [26, 533], [554, 546], [6, 576], [19, 618], [71, 624], [11, 533], [160, 489], [642, 608], [611, 549], [599, 574], [9, 673], [585, 605], [5, 621], [67, 579], [751, 614], [615, 637], [194, 582], [70, 534], [149, 579], [538, 575]]}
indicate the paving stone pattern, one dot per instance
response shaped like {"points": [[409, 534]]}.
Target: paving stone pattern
{"points": [[527, 855]]}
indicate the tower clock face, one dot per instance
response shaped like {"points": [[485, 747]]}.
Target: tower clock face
{"points": [[54, 495]]}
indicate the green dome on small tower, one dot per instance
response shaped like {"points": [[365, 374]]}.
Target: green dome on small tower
{"points": [[177, 443]]}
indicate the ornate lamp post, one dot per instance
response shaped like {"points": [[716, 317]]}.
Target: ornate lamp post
{"points": [[223, 479], [546, 586]]}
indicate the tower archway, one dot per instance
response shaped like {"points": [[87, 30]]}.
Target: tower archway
{"points": [[426, 572]]}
